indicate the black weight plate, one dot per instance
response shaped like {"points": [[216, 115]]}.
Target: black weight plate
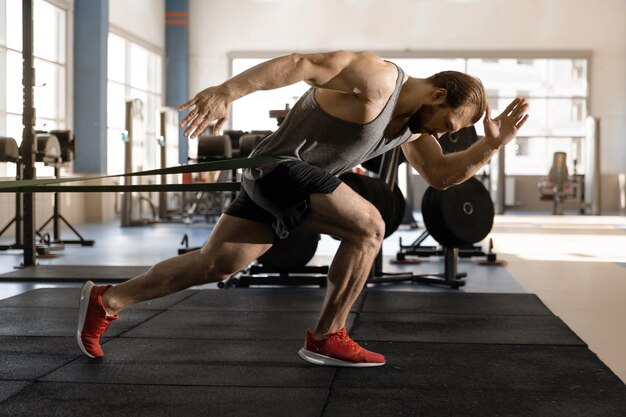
{"points": [[433, 219], [399, 207], [294, 251], [459, 140], [467, 211]]}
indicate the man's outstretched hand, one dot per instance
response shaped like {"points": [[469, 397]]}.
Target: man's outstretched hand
{"points": [[504, 128], [207, 106]]}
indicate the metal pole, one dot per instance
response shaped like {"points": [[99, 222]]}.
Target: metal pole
{"points": [[19, 223], [593, 172], [500, 183], [56, 224], [127, 197], [163, 149], [28, 136]]}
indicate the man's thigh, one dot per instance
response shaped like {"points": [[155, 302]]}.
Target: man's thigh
{"points": [[235, 242], [342, 213]]}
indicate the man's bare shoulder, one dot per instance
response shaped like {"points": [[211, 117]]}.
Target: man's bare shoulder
{"points": [[376, 76]]}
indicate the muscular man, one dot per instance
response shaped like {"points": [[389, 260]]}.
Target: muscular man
{"points": [[359, 106]]}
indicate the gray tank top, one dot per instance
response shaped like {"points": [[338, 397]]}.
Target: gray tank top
{"points": [[311, 135]]}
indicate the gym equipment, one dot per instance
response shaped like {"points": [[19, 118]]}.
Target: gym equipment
{"points": [[593, 165], [234, 136], [285, 263], [248, 142], [565, 190], [170, 205], [50, 185], [460, 215], [9, 152], [132, 210], [28, 134], [456, 218], [263, 133], [211, 148], [48, 148], [295, 251], [66, 141], [53, 185], [52, 147], [49, 151], [459, 140], [280, 114], [451, 142], [387, 176]]}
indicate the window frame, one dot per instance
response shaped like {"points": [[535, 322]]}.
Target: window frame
{"points": [[130, 39], [66, 7]]}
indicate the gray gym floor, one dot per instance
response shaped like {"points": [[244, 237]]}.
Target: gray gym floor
{"points": [[147, 245]]}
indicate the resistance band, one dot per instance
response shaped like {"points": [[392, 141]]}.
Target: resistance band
{"points": [[43, 185]]}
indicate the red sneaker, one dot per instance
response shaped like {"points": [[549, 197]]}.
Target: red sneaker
{"points": [[338, 350], [93, 320]]}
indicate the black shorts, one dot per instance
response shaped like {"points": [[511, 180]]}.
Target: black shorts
{"points": [[282, 197]]}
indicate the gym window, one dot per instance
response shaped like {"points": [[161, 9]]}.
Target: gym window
{"points": [[557, 88], [50, 37], [134, 72]]}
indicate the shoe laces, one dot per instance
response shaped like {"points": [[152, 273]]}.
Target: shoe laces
{"points": [[346, 340], [102, 324]]}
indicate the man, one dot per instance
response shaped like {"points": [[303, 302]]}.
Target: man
{"points": [[359, 106]]}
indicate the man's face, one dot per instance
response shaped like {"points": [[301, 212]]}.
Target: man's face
{"points": [[438, 119]]}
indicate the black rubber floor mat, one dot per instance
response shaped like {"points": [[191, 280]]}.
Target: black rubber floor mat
{"points": [[234, 352], [454, 303], [457, 328], [68, 298], [63, 399], [602, 402], [249, 325], [94, 273]]}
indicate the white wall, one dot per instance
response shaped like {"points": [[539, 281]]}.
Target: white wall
{"points": [[218, 27], [144, 19]]}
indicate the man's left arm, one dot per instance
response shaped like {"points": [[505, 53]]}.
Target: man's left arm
{"points": [[443, 171]]}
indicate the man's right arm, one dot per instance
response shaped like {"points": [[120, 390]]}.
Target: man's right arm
{"points": [[340, 71]]}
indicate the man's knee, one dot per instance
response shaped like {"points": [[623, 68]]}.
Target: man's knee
{"points": [[371, 232], [211, 266]]}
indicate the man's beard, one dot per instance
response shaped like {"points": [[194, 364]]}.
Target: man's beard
{"points": [[420, 118]]}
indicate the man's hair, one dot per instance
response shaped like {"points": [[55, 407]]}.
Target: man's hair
{"points": [[462, 90]]}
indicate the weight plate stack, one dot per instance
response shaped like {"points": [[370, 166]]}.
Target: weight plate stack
{"points": [[460, 215]]}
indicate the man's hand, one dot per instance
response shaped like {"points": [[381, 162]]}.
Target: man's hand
{"points": [[503, 128], [208, 105]]}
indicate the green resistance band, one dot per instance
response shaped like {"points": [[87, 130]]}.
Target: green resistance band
{"points": [[44, 185]]}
